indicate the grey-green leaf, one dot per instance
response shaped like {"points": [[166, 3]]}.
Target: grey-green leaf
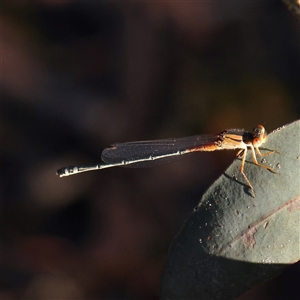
{"points": [[233, 241]]}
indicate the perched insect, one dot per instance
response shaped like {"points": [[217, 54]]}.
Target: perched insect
{"points": [[146, 153]]}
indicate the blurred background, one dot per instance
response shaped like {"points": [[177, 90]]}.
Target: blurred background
{"points": [[79, 76]]}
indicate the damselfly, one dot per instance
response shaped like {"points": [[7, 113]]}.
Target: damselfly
{"points": [[147, 153]]}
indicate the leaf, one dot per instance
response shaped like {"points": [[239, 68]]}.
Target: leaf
{"points": [[233, 241]]}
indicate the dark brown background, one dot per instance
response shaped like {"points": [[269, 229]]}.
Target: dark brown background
{"points": [[78, 76]]}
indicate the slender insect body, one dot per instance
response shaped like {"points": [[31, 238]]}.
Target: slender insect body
{"points": [[146, 153]]}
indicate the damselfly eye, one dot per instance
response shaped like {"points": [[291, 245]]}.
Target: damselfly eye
{"points": [[259, 131]]}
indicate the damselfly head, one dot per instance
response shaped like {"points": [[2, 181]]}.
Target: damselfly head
{"points": [[259, 135]]}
